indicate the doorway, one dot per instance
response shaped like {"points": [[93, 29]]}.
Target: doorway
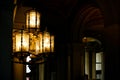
{"points": [[94, 67]]}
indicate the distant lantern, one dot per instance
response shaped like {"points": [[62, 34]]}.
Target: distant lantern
{"points": [[32, 19]]}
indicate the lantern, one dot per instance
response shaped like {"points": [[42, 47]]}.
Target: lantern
{"points": [[32, 19], [20, 44], [29, 41]]}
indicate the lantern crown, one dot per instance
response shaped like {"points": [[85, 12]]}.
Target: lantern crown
{"points": [[32, 19]]}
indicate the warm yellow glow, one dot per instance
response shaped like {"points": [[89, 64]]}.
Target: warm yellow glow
{"points": [[36, 44], [33, 19], [37, 47], [52, 43], [46, 42], [40, 42], [32, 43], [22, 42]]}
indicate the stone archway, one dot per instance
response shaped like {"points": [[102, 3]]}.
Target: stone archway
{"points": [[89, 21]]}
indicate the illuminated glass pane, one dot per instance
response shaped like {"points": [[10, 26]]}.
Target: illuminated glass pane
{"points": [[52, 44], [98, 76], [46, 42], [99, 57], [98, 66], [20, 41], [33, 19], [40, 42]]}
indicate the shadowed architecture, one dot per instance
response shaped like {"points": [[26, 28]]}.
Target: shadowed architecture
{"points": [[82, 29]]}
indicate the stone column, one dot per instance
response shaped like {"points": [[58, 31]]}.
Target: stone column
{"points": [[41, 71], [19, 71], [87, 69], [61, 55], [78, 68], [93, 65]]}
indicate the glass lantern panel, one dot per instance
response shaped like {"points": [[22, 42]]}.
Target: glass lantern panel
{"points": [[36, 44], [40, 43], [33, 19], [22, 41], [46, 42], [52, 43]]}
